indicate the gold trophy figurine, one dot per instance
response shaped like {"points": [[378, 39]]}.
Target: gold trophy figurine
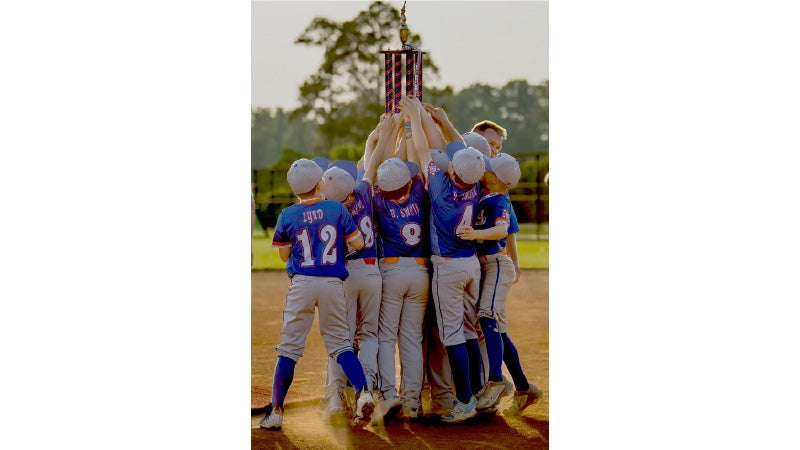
{"points": [[403, 27]]}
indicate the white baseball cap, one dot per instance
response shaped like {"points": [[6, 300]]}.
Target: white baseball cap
{"points": [[467, 162], [349, 167], [303, 175], [440, 159], [505, 168], [478, 142], [393, 174], [337, 184]]}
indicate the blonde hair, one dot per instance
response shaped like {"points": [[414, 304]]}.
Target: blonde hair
{"points": [[488, 124]]}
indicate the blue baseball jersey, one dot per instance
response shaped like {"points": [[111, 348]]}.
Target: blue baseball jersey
{"points": [[402, 225], [492, 209], [360, 206], [513, 225], [451, 207], [316, 230]]}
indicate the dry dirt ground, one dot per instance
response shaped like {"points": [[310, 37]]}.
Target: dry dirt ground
{"points": [[302, 427]]}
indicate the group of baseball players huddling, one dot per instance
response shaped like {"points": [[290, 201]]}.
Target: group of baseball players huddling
{"points": [[368, 244]]}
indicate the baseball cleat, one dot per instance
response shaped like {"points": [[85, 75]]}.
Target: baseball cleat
{"points": [[364, 407], [523, 399], [410, 414], [388, 409], [461, 411], [273, 420], [493, 392], [334, 410]]}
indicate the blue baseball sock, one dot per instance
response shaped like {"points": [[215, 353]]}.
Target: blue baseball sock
{"points": [[459, 364], [284, 373], [494, 347], [511, 358], [475, 364], [352, 370]]}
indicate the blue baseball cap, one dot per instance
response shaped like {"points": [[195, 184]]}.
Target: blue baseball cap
{"points": [[322, 162], [413, 168], [347, 166]]}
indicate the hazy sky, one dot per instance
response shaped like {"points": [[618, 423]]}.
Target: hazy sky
{"points": [[458, 35]]}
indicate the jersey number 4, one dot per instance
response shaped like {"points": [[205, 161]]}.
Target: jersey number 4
{"points": [[466, 218], [328, 236]]}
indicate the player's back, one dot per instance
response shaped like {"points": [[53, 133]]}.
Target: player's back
{"points": [[403, 225], [360, 207], [451, 207], [316, 230]]}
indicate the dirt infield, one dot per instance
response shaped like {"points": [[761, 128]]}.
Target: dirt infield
{"points": [[302, 428]]}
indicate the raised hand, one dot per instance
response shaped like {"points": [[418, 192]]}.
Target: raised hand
{"points": [[437, 114]]}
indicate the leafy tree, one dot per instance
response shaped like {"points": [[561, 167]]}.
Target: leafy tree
{"points": [[273, 131], [272, 190], [519, 107], [344, 96], [347, 152]]}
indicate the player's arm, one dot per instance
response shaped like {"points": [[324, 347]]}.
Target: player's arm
{"points": [[433, 133], [402, 148], [357, 242], [394, 136], [281, 240], [448, 130], [418, 143], [511, 245], [498, 231], [369, 148], [418, 146], [380, 150], [511, 242], [354, 239]]}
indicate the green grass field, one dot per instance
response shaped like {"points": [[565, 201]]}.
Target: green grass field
{"points": [[533, 254]]}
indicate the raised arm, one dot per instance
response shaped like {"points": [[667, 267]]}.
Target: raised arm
{"points": [[393, 136], [433, 133], [383, 140], [369, 148], [419, 143], [448, 130]]}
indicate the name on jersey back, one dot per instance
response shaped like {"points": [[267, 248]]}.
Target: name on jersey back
{"points": [[470, 194], [312, 216], [406, 211], [356, 207]]}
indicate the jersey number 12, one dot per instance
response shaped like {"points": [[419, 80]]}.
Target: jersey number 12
{"points": [[328, 235]]}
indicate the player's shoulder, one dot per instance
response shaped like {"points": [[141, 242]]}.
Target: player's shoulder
{"points": [[332, 205], [364, 191], [495, 199], [432, 169]]}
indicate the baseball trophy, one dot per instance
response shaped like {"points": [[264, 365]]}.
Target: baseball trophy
{"points": [[393, 69]]}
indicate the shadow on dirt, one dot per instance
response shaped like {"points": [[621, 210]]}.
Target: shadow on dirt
{"points": [[490, 431]]}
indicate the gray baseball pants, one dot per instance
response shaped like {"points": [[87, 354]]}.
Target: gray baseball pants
{"points": [[362, 292], [402, 312], [498, 276], [304, 294]]}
